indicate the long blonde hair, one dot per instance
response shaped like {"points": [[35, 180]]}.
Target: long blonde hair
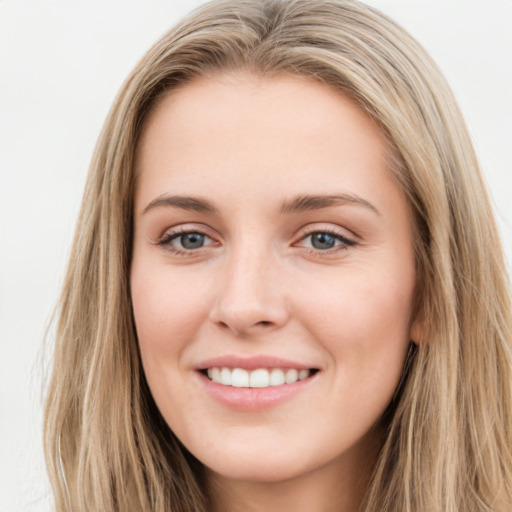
{"points": [[448, 437]]}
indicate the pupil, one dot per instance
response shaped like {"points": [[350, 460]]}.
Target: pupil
{"points": [[192, 240], [322, 241]]}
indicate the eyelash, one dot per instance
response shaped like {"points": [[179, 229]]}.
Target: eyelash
{"points": [[166, 242], [167, 238], [343, 246]]}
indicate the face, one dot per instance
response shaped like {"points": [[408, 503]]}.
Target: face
{"points": [[272, 276]]}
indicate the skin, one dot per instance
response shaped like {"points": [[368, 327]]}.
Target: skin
{"points": [[260, 285]]}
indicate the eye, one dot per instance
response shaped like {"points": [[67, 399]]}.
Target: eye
{"points": [[326, 241], [323, 240], [183, 242], [191, 240]]}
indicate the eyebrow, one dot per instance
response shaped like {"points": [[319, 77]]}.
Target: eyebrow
{"points": [[298, 204], [304, 203], [184, 202]]}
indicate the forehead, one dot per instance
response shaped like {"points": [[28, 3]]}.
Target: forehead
{"points": [[245, 132], [246, 104]]}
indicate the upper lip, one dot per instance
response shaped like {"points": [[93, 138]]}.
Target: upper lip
{"points": [[251, 362]]}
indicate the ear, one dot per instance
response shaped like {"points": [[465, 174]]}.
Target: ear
{"points": [[417, 329]]}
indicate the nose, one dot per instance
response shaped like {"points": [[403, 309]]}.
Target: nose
{"points": [[251, 299]]}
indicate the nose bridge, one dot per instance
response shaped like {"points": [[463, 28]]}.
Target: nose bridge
{"points": [[249, 298]]}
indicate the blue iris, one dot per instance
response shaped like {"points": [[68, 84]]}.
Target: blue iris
{"points": [[323, 240]]}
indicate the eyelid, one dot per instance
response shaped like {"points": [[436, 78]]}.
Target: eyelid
{"points": [[345, 241], [347, 235], [170, 234], [179, 229]]}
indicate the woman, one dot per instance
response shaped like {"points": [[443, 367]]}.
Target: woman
{"points": [[286, 289]]}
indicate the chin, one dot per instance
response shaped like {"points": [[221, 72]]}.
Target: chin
{"points": [[263, 463], [259, 471]]}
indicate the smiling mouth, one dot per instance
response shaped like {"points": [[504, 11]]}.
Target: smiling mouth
{"points": [[259, 378]]}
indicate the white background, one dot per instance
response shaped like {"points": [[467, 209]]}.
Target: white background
{"points": [[61, 63]]}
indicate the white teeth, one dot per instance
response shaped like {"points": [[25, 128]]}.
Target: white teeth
{"points": [[225, 376], [277, 377], [303, 374], [292, 376], [260, 378], [239, 378], [214, 374]]}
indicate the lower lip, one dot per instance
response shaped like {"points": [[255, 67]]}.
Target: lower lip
{"points": [[254, 399]]}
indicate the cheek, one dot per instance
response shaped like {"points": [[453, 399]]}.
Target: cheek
{"points": [[363, 322], [168, 309], [168, 312]]}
